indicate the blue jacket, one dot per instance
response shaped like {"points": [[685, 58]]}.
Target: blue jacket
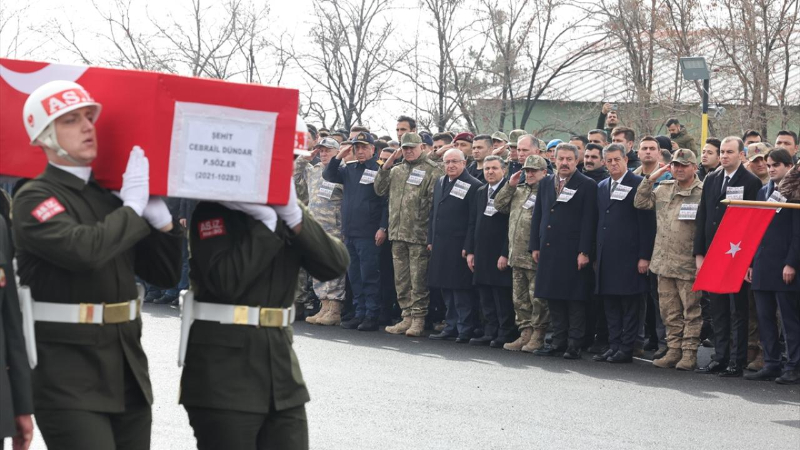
{"points": [[779, 247], [363, 211], [624, 236]]}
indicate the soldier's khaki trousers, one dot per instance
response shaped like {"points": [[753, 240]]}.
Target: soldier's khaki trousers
{"points": [[530, 311], [411, 277], [680, 311]]}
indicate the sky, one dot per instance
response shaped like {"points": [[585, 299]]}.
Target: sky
{"points": [[289, 19]]}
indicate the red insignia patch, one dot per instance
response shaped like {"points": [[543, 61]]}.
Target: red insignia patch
{"points": [[47, 210], [211, 228]]}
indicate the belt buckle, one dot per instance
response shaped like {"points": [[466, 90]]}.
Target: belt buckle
{"points": [[271, 317], [240, 316], [86, 313], [117, 312]]}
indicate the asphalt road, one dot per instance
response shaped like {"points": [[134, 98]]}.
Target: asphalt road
{"points": [[378, 391]]}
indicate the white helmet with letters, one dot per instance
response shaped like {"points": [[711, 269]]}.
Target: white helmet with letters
{"points": [[49, 102]]}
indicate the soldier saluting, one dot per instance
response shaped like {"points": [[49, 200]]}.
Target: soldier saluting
{"points": [[79, 249]]}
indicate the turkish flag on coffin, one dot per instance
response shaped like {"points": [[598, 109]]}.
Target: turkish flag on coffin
{"points": [[733, 249], [205, 139]]}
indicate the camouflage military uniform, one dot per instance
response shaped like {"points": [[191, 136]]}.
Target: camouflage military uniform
{"points": [[518, 202], [410, 189], [302, 292], [325, 204], [673, 261]]}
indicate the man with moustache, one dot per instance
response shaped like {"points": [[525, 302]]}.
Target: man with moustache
{"points": [[561, 242], [487, 257], [594, 166]]}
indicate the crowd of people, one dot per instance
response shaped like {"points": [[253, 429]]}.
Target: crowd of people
{"points": [[496, 239]]}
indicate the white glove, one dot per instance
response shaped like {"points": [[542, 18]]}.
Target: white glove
{"points": [[135, 190], [290, 213], [262, 213], [156, 213]]}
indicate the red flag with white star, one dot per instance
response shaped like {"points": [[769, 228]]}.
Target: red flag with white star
{"points": [[733, 249]]}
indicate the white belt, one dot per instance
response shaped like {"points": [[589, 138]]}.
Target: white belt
{"points": [[243, 315], [86, 312]]}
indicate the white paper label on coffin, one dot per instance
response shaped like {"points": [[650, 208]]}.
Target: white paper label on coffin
{"points": [[221, 153]]}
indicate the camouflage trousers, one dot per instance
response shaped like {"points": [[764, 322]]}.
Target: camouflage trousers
{"points": [[530, 311], [330, 290], [302, 291], [753, 341], [411, 278], [680, 312]]}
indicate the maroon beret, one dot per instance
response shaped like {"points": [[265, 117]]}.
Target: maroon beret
{"points": [[465, 136]]}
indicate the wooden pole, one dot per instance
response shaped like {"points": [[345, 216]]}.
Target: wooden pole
{"points": [[774, 205]]}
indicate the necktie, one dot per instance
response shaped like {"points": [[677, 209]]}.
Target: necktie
{"points": [[561, 182], [725, 184], [491, 191], [613, 187]]}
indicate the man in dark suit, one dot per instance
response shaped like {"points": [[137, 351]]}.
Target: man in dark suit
{"points": [[775, 282], [488, 260], [625, 237], [729, 311], [451, 230], [562, 239], [16, 406]]}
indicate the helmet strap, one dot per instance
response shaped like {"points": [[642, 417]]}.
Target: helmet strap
{"points": [[49, 139]]}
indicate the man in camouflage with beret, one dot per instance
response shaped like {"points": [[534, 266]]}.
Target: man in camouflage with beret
{"points": [[410, 189], [517, 200], [325, 203], [676, 203]]}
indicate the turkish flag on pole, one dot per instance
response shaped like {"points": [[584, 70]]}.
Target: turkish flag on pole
{"points": [[733, 249]]}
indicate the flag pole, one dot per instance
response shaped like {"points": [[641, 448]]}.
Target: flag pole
{"points": [[774, 205]]}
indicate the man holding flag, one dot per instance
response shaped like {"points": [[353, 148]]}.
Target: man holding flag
{"points": [[729, 256]]}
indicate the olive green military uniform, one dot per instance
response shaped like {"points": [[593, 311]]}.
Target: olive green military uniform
{"points": [[325, 203], [410, 189], [684, 140], [518, 202], [242, 385], [672, 259], [77, 244], [15, 373]]}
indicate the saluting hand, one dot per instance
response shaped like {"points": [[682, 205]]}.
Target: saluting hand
{"points": [[390, 161], [345, 151], [513, 181]]}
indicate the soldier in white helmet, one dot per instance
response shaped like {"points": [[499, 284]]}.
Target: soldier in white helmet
{"points": [[79, 248]]}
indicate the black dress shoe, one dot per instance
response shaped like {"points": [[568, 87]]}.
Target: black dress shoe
{"points": [[369, 324], [481, 341], [763, 375], [572, 353], [620, 357], [462, 340], [603, 357], [352, 324], [732, 371], [789, 377], [660, 353], [498, 343], [711, 368], [548, 350], [650, 346], [443, 336], [599, 347]]}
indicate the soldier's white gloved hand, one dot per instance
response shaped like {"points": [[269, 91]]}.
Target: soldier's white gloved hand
{"points": [[135, 190], [262, 213], [291, 212], [156, 213]]}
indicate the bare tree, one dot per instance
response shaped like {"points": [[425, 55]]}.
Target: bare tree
{"points": [[350, 61]]}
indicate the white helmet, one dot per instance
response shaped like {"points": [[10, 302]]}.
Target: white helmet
{"points": [[51, 101], [300, 138]]}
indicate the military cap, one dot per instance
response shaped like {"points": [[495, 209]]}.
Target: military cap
{"points": [[684, 157], [363, 138], [426, 137], [757, 150], [499, 136], [328, 142], [514, 136], [410, 139], [535, 162], [465, 136]]}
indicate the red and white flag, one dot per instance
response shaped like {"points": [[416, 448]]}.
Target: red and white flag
{"points": [[733, 248]]}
